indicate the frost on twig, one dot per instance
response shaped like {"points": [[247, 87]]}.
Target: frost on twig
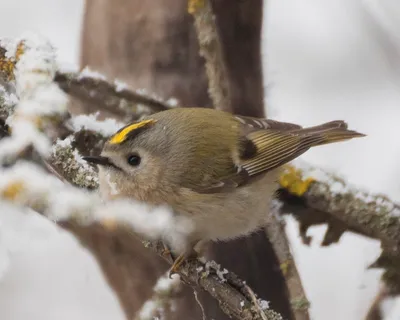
{"points": [[114, 98], [41, 104], [27, 185], [69, 163], [8, 102], [375, 216], [87, 138], [231, 293], [161, 303], [314, 196]]}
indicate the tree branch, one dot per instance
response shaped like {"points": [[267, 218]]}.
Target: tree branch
{"points": [[231, 293], [210, 49], [314, 196], [375, 216], [107, 96]]}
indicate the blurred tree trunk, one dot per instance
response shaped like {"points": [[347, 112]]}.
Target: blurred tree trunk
{"points": [[153, 45]]}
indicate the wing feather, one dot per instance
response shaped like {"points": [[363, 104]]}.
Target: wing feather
{"points": [[266, 144]]}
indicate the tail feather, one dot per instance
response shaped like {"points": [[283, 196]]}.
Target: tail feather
{"points": [[329, 132]]}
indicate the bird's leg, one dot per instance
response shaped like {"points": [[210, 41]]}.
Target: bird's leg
{"points": [[189, 254], [167, 251]]}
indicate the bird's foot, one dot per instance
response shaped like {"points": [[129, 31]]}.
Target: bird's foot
{"points": [[184, 257]]}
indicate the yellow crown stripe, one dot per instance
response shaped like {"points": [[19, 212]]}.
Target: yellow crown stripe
{"points": [[121, 136]]}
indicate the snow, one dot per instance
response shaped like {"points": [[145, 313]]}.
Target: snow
{"points": [[105, 127], [9, 100], [82, 163], [120, 85], [64, 143], [45, 100], [264, 305], [148, 310], [60, 202], [166, 284], [163, 289], [337, 185], [88, 73], [38, 95], [24, 133], [215, 267], [172, 102]]}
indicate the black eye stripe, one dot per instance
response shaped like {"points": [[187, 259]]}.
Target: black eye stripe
{"points": [[133, 160]]}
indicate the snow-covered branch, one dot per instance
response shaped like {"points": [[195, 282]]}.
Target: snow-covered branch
{"points": [[375, 216], [115, 98], [235, 298], [161, 303], [315, 196]]}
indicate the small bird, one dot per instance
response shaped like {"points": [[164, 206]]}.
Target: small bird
{"points": [[217, 169]]}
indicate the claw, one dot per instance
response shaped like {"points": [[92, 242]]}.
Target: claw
{"points": [[182, 258], [167, 252], [176, 265]]}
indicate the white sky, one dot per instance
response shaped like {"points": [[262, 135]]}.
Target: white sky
{"points": [[327, 59]]}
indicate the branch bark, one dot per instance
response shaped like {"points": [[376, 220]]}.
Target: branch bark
{"points": [[211, 50], [374, 216], [107, 96]]}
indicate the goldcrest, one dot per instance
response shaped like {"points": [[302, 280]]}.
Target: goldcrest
{"points": [[217, 169]]}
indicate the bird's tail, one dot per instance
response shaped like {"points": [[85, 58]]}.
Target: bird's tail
{"points": [[329, 132]]}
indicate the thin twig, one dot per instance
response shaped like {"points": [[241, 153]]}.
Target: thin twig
{"points": [[276, 234], [255, 302], [232, 301], [196, 297], [210, 49]]}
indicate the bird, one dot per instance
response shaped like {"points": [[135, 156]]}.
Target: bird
{"points": [[217, 169]]}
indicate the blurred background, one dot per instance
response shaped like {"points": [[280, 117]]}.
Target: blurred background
{"points": [[323, 60]]}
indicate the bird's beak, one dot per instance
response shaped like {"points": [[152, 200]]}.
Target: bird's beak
{"points": [[103, 161]]}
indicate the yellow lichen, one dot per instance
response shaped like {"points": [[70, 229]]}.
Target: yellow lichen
{"points": [[11, 191], [300, 303], [20, 50], [285, 267], [195, 5], [292, 180], [7, 65], [7, 68]]}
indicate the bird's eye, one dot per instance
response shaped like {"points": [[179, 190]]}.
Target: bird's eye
{"points": [[134, 160]]}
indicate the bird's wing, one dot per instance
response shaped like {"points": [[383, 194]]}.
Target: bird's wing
{"points": [[266, 144]]}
